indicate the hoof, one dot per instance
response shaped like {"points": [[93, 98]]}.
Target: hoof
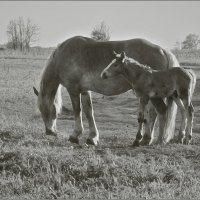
{"points": [[146, 140], [51, 133], [74, 140], [186, 141], [181, 140], [160, 142], [136, 143], [92, 142]]}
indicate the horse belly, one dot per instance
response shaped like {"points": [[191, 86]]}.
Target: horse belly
{"points": [[109, 87]]}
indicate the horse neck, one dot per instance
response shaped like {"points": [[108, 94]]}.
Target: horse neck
{"points": [[133, 72]]}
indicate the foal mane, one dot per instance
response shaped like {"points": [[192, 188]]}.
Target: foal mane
{"points": [[132, 61]]}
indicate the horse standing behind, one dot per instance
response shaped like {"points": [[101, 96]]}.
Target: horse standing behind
{"points": [[77, 64], [176, 82]]}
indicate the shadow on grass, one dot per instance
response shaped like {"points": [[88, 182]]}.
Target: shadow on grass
{"points": [[6, 136]]}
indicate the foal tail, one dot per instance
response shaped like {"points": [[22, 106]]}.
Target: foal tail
{"points": [[171, 106]]}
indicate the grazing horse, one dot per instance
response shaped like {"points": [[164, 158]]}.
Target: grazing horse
{"points": [[176, 82], [77, 64]]}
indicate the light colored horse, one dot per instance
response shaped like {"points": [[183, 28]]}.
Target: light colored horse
{"points": [[176, 82], [77, 64]]}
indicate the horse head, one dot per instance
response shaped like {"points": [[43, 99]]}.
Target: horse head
{"points": [[49, 110]]}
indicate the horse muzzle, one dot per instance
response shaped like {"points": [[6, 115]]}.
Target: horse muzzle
{"points": [[50, 132]]}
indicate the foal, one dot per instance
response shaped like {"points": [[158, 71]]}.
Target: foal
{"points": [[176, 82]]}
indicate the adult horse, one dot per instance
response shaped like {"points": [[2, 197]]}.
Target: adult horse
{"points": [[77, 65]]}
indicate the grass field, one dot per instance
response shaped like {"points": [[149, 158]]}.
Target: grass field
{"points": [[34, 166]]}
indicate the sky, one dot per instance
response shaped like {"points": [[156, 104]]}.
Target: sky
{"points": [[161, 22]]}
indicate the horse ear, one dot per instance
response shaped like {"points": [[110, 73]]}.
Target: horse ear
{"points": [[123, 56], [35, 91], [114, 53]]}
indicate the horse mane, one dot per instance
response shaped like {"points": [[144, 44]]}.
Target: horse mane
{"points": [[58, 97], [132, 61]]}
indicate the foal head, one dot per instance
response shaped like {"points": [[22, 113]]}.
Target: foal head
{"points": [[115, 67]]}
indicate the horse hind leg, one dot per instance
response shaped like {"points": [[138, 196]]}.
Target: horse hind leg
{"points": [[161, 109], [190, 117], [86, 100], [78, 129], [183, 108]]}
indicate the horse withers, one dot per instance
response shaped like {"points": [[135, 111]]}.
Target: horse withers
{"points": [[176, 82], [77, 64]]}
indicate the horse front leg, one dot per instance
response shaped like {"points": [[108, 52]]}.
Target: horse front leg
{"points": [[86, 100], [190, 118], [182, 130], [78, 128]]}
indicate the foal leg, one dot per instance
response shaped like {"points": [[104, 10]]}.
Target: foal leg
{"points": [[161, 109], [140, 121], [89, 113], [78, 129], [182, 108], [190, 117], [150, 119]]}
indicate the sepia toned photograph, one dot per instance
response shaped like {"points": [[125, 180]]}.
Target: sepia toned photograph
{"points": [[99, 100]]}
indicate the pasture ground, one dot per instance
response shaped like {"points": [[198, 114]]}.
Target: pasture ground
{"points": [[34, 166]]}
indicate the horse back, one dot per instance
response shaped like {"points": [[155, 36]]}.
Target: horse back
{"points": [[90, 53]]}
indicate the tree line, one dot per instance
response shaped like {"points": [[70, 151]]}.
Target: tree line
{"points": [[22, 33], [191, 41]]}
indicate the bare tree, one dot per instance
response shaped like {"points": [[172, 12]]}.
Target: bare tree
{"points": [[22, 33], [31, 34], [12, 34], [101, 32]]}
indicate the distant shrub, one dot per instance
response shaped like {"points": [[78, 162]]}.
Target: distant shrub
{"points": [[101, 32]]}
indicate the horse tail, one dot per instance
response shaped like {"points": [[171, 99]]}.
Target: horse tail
{"points": [[193, 81], [169, 129], [172, 60]]}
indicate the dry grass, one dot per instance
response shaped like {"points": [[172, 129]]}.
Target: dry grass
{"points": [[34, 166], [34, 53]]}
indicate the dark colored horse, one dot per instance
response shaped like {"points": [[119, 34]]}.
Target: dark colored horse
{"points": [[77, 64], [174, 82]]}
